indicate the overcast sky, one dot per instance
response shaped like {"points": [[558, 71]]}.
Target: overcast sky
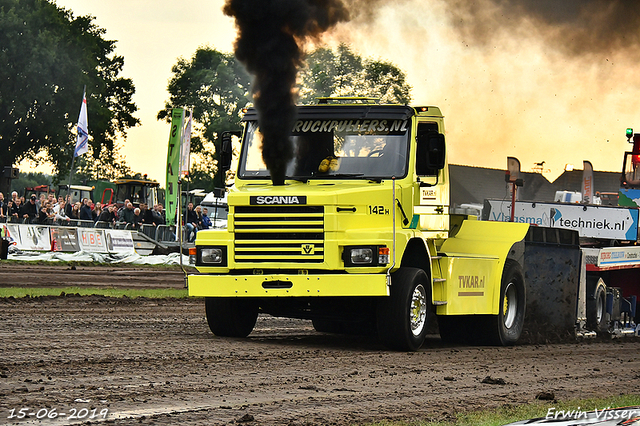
{"points": [[511, 92]]}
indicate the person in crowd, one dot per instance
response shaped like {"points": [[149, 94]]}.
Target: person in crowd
{"points": [[40, 202], [57, 204], [14, 209], [85, 210], [68, 206], [124, 206], [157, 214], [191, 223], [108, 215], [10, 211], [206, 221], [115, 212], [75, 211], [12, 206], [96, 211], [60, 214], [29, 209], [198, 210], [3, 208], [128, 214], [45, 215], [137, 218], [146, 215]]}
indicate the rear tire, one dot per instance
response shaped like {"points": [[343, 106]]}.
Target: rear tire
{"points": [[505, 328], [231, 317], [402, 317], [596, 305]]}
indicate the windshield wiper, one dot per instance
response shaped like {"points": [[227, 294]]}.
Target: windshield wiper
{"points": [[343, 175]]}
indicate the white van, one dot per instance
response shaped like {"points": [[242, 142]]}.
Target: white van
{"points": [[217, 208]]}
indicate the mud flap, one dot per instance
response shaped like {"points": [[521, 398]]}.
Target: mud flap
{"points": [[552, 262]]}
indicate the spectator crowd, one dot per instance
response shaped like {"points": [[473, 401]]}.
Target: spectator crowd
{"points": [[47, 210]]}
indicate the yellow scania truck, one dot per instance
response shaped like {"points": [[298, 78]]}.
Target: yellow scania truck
{"points": [[359, 238]]}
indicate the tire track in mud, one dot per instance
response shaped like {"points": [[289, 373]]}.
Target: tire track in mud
{"points": [[129, 276], [155, 361]]}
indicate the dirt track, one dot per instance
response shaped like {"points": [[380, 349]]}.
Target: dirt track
{"points": [[155, 361]]}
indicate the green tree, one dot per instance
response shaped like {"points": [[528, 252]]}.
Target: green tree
{"points": [[49, 55], [110, 166], [29, 180], [215, 87], [344, 73]]}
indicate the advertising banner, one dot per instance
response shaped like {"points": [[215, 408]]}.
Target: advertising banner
{"points": [[606, 222], [619, 256], [92, 240], [64, 239], [32, 237], [173, 164], [119, 241], [12, 233]]}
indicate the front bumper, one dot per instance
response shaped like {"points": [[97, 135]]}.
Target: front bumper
{"points": [[288, 285]]}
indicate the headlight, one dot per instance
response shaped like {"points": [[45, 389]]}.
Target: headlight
{"points": [[365, 256], [211, 256], [361, 256]]}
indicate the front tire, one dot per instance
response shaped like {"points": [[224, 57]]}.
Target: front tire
{"points": [[231, 317], [402, 317], [506, 327]]}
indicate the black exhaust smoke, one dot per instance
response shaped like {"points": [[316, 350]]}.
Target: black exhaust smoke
{"points": [[270, 42], [575, 27]]}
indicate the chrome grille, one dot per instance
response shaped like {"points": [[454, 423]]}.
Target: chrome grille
{"points": [[276, 234]]}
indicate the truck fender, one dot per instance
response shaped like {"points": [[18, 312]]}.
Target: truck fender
{"points": [[416, 255]]}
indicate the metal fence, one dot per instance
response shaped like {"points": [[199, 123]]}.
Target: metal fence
{"points": [[159, 233]]}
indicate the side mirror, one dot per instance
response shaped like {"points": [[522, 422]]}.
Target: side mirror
{"points": [[431, 153], [225, 152]]}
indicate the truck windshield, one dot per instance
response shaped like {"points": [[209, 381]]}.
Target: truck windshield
{"points": [[335, 149]]}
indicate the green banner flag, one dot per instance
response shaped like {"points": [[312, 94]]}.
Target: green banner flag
{"points": [[173, 159]]}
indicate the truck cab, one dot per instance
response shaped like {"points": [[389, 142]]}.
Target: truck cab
{"points": [[359, 237]]}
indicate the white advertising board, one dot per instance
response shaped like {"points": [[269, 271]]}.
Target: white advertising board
{"points": [[92, 240], [604, 222], [30, 237], [119, 241], [68, 239], [619, 256]]}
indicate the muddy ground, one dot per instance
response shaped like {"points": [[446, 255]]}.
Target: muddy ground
{"points": [[155, 362]]}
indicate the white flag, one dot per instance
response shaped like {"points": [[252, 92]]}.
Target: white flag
{"points": [[185, 149], [82, 145]]}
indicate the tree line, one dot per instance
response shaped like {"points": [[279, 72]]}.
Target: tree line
{"points": [[51, 54]]}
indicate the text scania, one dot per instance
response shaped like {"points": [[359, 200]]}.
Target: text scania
{"points": [[278, 200], [350, 126]]}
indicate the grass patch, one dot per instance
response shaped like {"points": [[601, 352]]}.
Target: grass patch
{"points": [[510, 414], [155, 293]]}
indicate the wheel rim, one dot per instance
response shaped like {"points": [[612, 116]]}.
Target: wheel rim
{"points": [[510, 305], [418, 313], [600, 310]]}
